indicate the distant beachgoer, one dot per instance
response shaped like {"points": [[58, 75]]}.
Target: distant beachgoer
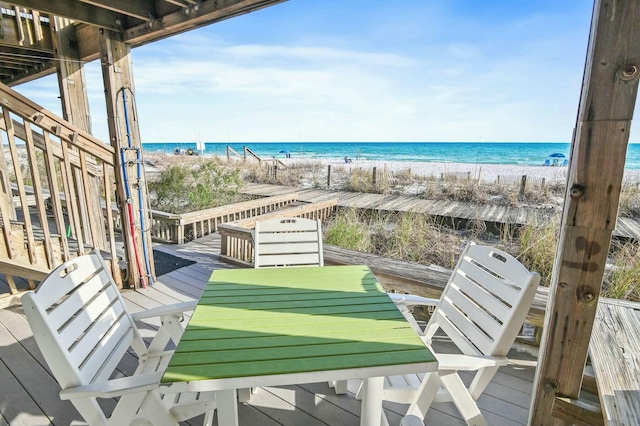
{"points": [[347, 159]]}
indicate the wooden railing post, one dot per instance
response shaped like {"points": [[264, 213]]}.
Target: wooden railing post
{"points": [[523, 184], [124, 135], [598, 152]]}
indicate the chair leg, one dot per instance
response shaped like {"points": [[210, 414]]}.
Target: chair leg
{"points": [[208, 418], [481, 381], [424, 397], [462, 399], [339, 386], [244, 395]]}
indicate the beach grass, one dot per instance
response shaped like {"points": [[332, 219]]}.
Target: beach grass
{"points": [[195, 183]]}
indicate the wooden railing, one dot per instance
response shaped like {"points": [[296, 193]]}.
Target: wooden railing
{"points": [[54, 178], [237, 237], [180, 228]]}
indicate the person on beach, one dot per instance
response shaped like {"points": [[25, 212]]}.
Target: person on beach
{"points": [[347, 159]]}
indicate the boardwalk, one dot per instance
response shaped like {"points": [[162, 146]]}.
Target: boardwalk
{"points": [[454, 210], [29, 394]]}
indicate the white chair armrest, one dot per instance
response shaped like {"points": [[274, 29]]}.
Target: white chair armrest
{"points": [[177, 308], [412, 300], [115, 387], [455, 362]]}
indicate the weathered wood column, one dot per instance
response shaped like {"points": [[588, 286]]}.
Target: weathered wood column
{"points": [[71, 75], [590, 212], [124, 133], [75, 109]]}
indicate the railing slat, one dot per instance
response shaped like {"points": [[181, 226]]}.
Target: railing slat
{"points": [[39, 197], [17, 170], [72, 205], [56, 203]]}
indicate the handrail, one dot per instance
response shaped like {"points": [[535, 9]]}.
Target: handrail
{"points": [[179, 228], [232, 151], [252, 154], [60, 159]]}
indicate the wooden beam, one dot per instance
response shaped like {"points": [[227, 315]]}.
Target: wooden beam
{"points": [[143, 10], [71, 76], [598, 154], [580, 412], [78, 11], [117, 74], [208, 12]]}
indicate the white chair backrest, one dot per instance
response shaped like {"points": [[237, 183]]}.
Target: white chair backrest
{"points": [[290, 241], [485, 302], [80, 322]]}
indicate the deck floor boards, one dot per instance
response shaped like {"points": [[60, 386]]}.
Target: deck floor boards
{"points": [[29, 394]]}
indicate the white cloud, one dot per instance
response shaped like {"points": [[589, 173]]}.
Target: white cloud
{"points": [[457, 78]]}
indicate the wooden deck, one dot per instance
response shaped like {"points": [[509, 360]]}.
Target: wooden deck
{"points": [[626, 227], [29, 394]]}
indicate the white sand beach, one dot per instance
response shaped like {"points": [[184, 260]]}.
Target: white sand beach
{"points": [[485, 172]]}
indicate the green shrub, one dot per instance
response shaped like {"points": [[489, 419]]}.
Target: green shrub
{"points": [[347, 231], [181, 188]]}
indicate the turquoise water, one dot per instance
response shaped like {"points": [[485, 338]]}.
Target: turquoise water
{"points": [[531, 154]]}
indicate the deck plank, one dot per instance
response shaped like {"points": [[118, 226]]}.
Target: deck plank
{"points": [[26, 379], [28, 390]]}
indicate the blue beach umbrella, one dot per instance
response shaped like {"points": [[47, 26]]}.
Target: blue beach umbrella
{"points": [[556, 155]]}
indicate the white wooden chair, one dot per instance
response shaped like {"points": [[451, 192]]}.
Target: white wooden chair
{"points": [[482, 309], [83, 329], [291, 241]]}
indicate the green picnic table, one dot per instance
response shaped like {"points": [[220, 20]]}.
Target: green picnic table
{"points": [[283, 326]]}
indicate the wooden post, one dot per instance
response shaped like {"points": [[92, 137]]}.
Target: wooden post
{"points": [[329, 176], [523, 184], [117, 76], [75, 109], [598, 153], [374, 177]]}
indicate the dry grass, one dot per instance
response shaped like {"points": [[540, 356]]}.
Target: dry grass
{"points": [[420, 238]]}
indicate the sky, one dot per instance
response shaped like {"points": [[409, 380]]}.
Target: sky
{"points": [[356, 70]]}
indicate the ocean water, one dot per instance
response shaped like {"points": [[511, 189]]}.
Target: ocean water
{"points": [[531, 154]]}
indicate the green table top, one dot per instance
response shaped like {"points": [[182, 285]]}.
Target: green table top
{"points": [[282, 321]]}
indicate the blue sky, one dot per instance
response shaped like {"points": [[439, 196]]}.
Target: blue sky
{"points": [[355, 70]]}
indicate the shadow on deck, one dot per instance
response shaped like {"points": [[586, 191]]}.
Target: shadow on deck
{"points": [[29, 394]]}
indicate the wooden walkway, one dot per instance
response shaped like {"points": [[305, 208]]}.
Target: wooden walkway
{"points": [[29, 394], [626, 227]]}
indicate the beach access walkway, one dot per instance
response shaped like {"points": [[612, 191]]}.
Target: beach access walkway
{"points": [[452, 211]]}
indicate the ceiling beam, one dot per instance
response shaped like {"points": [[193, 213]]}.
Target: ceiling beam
{"points": [[78, 11], [143, 10], [207, 12]]}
